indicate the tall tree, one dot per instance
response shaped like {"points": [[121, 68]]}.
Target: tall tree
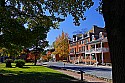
{"points": [[113, 13], [61, 46], [22, 21]]}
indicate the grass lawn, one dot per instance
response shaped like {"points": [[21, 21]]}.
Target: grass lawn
{"points": [[32, 74]]}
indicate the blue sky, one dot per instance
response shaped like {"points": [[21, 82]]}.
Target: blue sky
{"points": [[93, 18]]}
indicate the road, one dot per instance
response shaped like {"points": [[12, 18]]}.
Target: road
{"points": [[99, 71]]}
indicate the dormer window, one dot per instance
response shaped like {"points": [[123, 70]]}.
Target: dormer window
{"points": [[100, 35], [88, 34], [93, 38]]}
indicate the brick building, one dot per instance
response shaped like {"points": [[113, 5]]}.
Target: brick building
{"points": [[90, 48]]}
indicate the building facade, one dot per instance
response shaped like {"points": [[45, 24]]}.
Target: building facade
{"points": [[90, 48]]}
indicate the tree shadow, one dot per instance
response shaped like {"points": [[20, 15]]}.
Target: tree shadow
{"points": [[25, 67], [35, 77], [32, 65]]}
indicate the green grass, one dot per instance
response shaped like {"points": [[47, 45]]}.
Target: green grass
{"points": [[32, 74]]}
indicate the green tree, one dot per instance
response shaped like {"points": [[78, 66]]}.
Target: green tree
{"points": [[22, 21]]}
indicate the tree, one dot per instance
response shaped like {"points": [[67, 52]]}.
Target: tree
{"points": [[40, 44], [113, 13], [61, 46], [22, 21]]}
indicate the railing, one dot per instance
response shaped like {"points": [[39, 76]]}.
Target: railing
{"points": [[81, 51], [73, 44], [97, 50]]}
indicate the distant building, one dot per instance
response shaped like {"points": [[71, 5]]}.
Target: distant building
{"points": [[49, 56]]}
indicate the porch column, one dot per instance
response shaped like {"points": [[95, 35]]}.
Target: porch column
{"points": [[85, 54], [96, 56], [102, 54], [85, 58], [69, 57], [75, 56], [90, 59], [95, 47], [102, 59], [96, 60]]}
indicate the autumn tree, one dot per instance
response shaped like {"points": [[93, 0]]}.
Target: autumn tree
{"points": [[61, 46]]}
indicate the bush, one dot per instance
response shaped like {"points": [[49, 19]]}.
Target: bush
{"points": [[8, 62], [19, 63]]}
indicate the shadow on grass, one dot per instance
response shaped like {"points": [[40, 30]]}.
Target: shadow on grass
{"points": [[35, 77], [32, 65], [25, 67]]}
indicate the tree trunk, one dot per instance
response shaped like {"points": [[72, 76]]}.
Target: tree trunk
{"points": [[35, 59], [114, 17]]}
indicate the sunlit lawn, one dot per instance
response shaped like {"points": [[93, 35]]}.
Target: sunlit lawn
{"points": [[32, 74]]}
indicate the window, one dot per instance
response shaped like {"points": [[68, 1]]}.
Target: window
{"points": [[86, 40], [82, 41], [83, 48], [102, 44], [79, 49], [92, 46], [86, 47]]}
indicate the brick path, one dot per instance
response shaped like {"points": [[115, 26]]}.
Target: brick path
{"points": [[90, 79]]}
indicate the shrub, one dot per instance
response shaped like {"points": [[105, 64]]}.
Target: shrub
{"points": [[19, 63], [8, 62]]}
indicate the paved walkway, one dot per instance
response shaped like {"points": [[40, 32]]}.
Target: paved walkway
{"points": [[90, 79], [92, 74], [104, 72]]}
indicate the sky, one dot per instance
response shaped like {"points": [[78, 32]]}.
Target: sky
{"points": [[93, 18]]}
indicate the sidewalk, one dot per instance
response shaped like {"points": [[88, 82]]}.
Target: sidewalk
{"points": [[91, 78], [88, 78]]}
